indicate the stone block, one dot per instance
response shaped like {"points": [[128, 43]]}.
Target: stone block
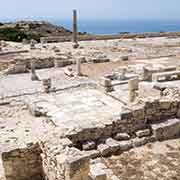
{"points": [[139, 141], [122, 136], [125, 145], [167, 129], [143, 133], [105, 82], [113, 144], [104, 149], [77, 167], [96, 173]]}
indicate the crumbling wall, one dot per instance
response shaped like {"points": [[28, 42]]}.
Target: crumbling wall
{"points": [[61, 162], [132, 119], [23, 164]]}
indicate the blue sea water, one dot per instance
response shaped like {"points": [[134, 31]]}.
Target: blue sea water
{"points": [[114, 26], [117, 26]]}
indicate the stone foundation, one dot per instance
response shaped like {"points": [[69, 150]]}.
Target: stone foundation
{"points": [[23, 164], [61, 162]]}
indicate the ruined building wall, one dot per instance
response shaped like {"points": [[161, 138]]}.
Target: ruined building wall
{"points": [[23, 164], [132, 119], [61, 162]]}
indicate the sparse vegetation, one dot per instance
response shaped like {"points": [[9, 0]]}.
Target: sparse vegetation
{"points": [[13, 34]]}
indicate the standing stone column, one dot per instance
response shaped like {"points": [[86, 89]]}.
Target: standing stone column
{"points": [[78, 67], [74, 34], [34, 76], [132, 87], [46, 85]]}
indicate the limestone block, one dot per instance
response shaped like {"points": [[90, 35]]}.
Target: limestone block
{"points": [[105, 82], [113, 144], [122, 136], [164, 104], [143, 133], [104, 149], [77, 167], [125, 145], [167, 129], [139, 141], [96, 173]]}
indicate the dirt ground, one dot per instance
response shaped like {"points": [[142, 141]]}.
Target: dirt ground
{"points": [[158, 161]]}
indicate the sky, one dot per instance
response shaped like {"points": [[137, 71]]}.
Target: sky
{"points": [[90, 9]]}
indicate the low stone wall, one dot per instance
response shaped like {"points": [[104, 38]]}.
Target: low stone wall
{"points": [[88, 37], [61, 162], [132, 119], [23, 164], [24, 64]]}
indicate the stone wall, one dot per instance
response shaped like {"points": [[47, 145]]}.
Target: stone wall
{"points": [[62, 162], [132, 119], [150, 111], [88, 37], [23, 65], [23, 164]]}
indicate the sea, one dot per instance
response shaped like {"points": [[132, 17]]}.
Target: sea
{"points": [[121, 26], [114, 26]]}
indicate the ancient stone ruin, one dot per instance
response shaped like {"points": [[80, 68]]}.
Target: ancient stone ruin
{"points": [[89, 114]]}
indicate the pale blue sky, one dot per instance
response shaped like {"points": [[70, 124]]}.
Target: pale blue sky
{"points": [[90, 9]]}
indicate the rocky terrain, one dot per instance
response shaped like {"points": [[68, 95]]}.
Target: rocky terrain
{"points": [[16, 31]]}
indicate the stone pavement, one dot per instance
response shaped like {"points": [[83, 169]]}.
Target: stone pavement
{"points": [[78, 109]]}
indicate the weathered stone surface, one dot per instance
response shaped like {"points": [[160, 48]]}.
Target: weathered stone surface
{"points": [[122, 136], [97, 173], [146, 89], [139, 141], [23, 163], [92, 154], [77, 168], [104, 149], [142, 133], [125, 145], [113, 144], [167, 129]]}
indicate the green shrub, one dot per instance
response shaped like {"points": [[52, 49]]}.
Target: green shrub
{"points": [[13, 34]]}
